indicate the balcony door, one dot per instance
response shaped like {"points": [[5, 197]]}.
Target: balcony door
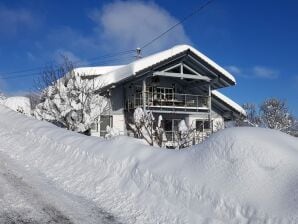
{"points": [[105, 120]]}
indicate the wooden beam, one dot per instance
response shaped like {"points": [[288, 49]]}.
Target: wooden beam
{"points": [[182, 76], [144, 94]]}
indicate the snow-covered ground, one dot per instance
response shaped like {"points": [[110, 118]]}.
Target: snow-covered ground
{"points": [[27, 197], [239, 175]]}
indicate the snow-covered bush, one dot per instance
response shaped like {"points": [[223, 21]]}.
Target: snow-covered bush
{"points": [[274, 114], [71, 102], [185, 135], [20, 104], [146, 127], [111, 132], [143, 121]]}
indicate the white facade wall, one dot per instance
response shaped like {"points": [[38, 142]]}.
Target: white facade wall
{"points": [[191, 119], [217, 121], [119, 123]]}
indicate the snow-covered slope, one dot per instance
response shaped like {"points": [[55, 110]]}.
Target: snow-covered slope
{"points": [[239, 175]]}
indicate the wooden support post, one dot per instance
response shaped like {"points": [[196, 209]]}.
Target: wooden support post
{"points": [[209, 103], [185, 102], [144, 94]]}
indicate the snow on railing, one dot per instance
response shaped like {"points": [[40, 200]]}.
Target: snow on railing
{"points": [[168, 100]]}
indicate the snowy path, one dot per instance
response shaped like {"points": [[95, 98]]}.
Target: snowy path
{"points": [[28, 199]]}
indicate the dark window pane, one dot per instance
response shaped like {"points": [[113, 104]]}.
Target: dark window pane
{"points": [[168, 125], [206, 125], [105, 121], [199, 125]]}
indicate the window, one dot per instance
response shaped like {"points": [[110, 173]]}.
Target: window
{"points": [[164, 93], [202, 125], [105, 120], [94, 126]]}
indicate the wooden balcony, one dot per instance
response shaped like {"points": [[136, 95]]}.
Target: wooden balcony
{"points": [[168, 102]]}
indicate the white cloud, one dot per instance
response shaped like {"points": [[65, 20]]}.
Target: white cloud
{"points": [[13, 21], [264, 72], [60, 53], [253, 72], [125, 25], [117, 26], [234, 69], [30, 56]]}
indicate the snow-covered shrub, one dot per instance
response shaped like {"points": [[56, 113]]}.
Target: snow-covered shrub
{"points": [[20, 104], [185, 135], [274, 114], [71, 102], [147, 128], [143, 121], [111, 132]]}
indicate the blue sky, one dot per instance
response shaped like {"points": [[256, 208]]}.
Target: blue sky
{"points": [[255, 40]]}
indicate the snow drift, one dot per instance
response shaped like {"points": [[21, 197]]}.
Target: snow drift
{"points": [[239, 175]]}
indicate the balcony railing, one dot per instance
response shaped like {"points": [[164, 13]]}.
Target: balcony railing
{"points": [[168, 100]]}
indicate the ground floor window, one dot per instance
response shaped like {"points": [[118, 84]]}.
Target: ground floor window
{"points": [[202, 125]]}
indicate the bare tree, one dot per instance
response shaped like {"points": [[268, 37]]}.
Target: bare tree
{"points": [[252, 118], [34, 97], [2, 97], [68, 100], [52, 73]]}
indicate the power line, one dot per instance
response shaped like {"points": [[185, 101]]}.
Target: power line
{"points": [[106, 60], [178, 23], [42, 67], [111, 55]]}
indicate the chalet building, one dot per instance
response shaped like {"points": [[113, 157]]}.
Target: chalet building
{"points": [[180, 83]]}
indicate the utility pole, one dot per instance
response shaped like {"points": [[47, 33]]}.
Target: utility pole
{"points": [[138, 51]]}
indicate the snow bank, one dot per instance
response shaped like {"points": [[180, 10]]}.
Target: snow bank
{"points": [[239, 175], [19, 104]]}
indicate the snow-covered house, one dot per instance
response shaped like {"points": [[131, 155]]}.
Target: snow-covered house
{"points": [[179, 83]]}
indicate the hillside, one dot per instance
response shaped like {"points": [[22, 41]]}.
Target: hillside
{"points": [[239, 175]]}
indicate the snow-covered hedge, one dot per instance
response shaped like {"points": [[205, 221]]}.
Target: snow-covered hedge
{"points": [[20, 104], [239, 175]]}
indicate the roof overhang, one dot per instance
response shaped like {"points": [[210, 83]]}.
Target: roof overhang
{"points": [[229, 109]]}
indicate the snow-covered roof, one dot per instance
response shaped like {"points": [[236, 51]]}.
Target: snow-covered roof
{"points": [[228, 101], [109, 75], [122, 72], [98, 70]]}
